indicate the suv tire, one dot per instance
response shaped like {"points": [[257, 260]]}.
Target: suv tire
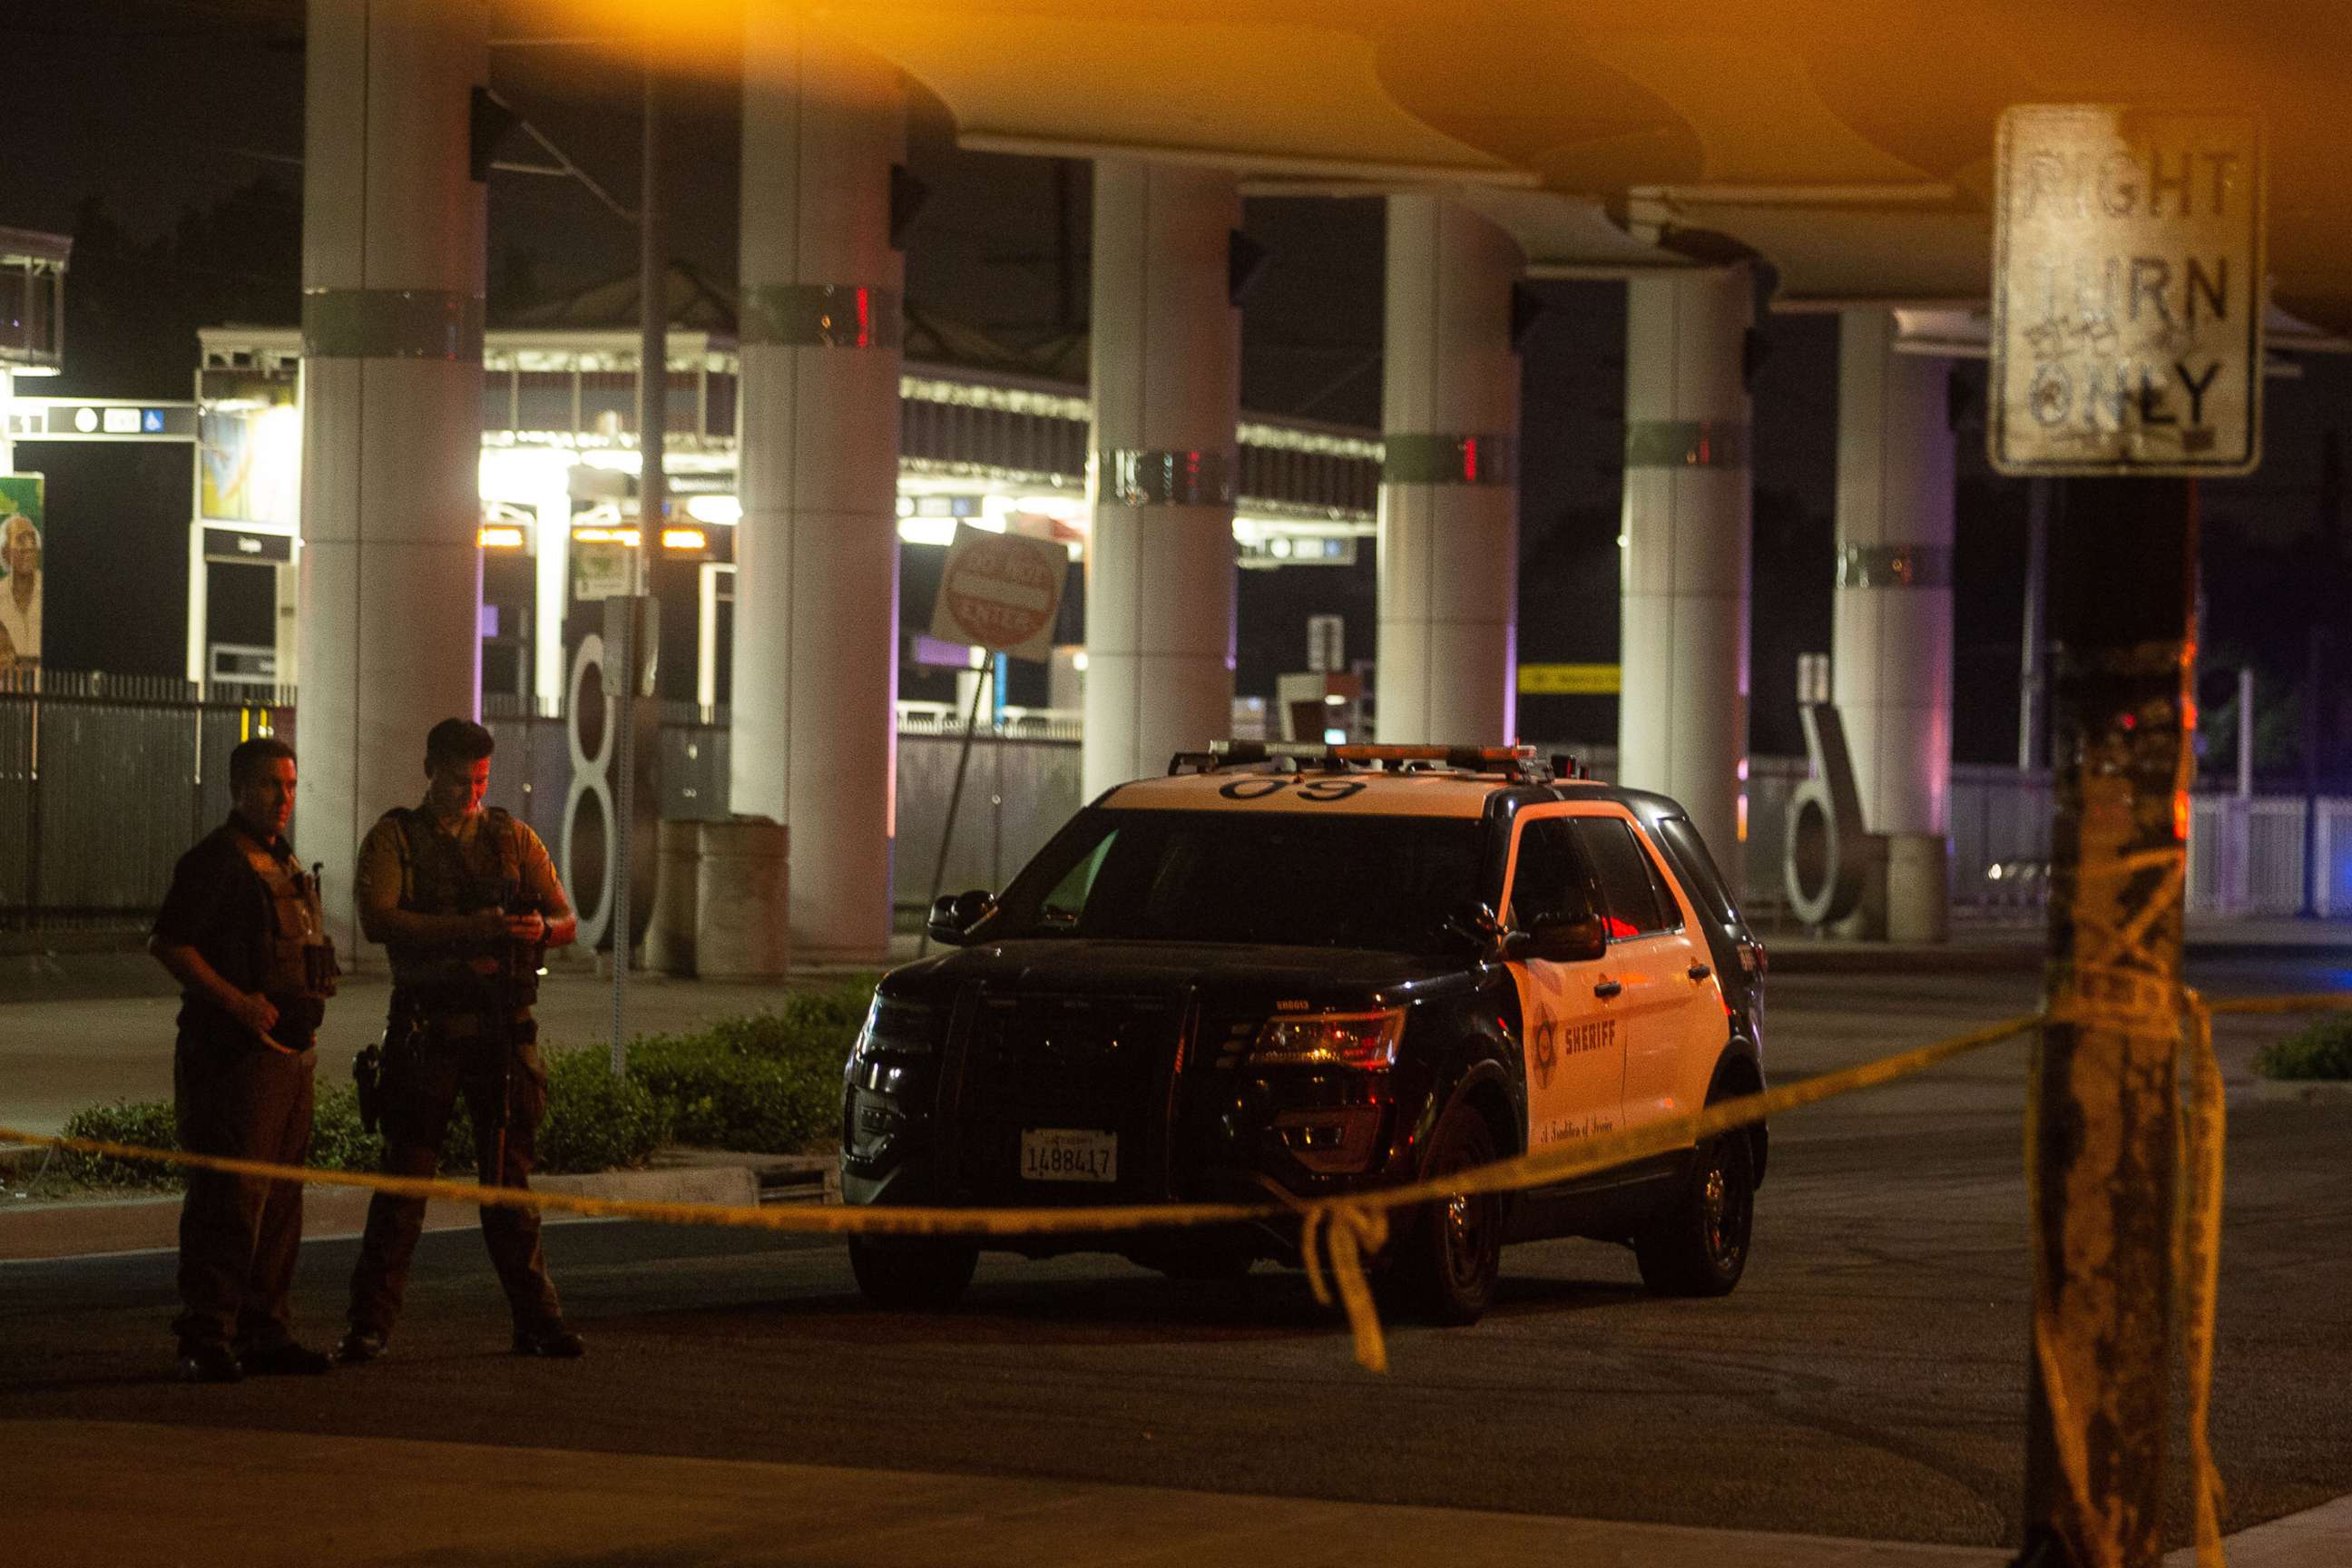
{"points": [[1450, 1254], [919, 1275], [1698, 1244]]}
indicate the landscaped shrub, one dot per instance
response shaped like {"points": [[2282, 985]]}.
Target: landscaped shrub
{"points": [[595, 1121], [2324, 1049], [148, 1125], [768, 1082]]}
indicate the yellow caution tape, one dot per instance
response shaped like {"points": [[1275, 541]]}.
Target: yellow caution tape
{"points": [[2197, 1261], [1336, 1234]]}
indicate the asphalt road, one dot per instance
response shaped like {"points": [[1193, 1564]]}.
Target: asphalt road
{"points": [[1866, 1380]]}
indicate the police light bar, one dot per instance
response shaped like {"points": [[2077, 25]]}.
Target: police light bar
{"points": [[1473, 757]]}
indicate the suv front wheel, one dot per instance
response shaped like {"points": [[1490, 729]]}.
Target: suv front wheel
{"points": [[1449, 1252], [1698, 1244]]}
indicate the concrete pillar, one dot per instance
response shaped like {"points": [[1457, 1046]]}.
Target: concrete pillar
{"points": [[1682, 724], [391, 410], [1449, 484], [1891, 642], [1167, 394], [815, 741]]}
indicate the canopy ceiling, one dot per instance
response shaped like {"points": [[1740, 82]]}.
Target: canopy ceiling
{"points": [[1846, 142]]}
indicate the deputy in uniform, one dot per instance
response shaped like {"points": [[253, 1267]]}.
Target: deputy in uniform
{"points": [[240, 931], [464, 900]]}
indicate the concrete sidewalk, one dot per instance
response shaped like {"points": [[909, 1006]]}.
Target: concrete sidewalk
{"points": [[131, 1493], [59, 1053]]}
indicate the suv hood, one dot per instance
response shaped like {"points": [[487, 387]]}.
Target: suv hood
{"points": [[1318, 976]]}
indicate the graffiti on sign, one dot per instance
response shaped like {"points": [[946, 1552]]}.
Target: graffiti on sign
{"points": [[2128, 292]]}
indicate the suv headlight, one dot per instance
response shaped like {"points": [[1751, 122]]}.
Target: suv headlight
{"points": [[893, 1024], [1364, 1039]]}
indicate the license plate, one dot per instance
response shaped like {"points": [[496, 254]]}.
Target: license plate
{"points": [[1068, 1155]]}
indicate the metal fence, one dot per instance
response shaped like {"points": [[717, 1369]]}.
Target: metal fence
{"points": [[1022, 784], [2247, 855], [105, 781]]}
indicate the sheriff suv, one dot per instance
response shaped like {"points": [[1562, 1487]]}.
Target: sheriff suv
{"points": [[1324, 969]]}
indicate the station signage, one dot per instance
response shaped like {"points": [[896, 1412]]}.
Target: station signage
{"points": [[250, 546], [1570, 679], [2128, 292], [71, 419]]}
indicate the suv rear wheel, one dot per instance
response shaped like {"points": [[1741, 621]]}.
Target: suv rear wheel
{"points": [[1450, 1254], [912, 1275], [1698, 1244]]}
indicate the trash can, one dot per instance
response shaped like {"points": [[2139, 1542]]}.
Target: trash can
{"points": [[739, 932]]}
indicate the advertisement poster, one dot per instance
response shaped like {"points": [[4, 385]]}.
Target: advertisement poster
{"points": [[22, 525], [251, 446]]}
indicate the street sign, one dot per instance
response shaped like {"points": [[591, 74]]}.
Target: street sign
{"points": [[2128, 292], [1002, 591]]}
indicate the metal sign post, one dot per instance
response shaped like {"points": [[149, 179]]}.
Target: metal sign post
{"points": [[1002, 591], [653, 418], [2128, 344]]}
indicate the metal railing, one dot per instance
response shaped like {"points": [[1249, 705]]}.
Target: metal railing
{"points": [[106, 780]]}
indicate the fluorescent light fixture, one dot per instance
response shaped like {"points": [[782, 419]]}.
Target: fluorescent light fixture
{"points": [[627, 537], [725, 511], [927, 530]]}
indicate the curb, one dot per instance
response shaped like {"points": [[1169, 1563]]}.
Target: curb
{"points": [[31, 1231]]}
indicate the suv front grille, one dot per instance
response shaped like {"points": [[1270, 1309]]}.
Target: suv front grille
{"points": [[1087, 1062]]}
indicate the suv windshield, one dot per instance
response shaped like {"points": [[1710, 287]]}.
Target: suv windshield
{"points": [[1288, 878]]}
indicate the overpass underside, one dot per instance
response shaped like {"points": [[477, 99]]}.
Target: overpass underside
{"points": [[1715, 157]]}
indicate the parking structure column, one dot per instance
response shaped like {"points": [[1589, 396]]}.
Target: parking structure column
{"points": [[1682, 725], [1167, 397], [1891, 638], [392, 225], [814, 740], [1449, 519]]}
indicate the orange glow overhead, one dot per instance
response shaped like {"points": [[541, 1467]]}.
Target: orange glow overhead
{"points": [[1846, 141]]}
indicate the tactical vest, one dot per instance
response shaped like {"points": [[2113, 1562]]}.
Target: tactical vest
{"points": [[438, 875], [295, 959]]}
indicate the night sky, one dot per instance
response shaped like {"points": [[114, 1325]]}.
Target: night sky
{"points": [[167, 137]]}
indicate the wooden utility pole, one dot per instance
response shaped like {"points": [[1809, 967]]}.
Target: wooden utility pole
{"points": [[2103, 1102]]}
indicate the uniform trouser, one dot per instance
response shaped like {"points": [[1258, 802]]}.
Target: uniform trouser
{"points": [[239, 1236], [422, 1079]]}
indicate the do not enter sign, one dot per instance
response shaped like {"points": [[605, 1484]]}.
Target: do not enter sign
{"points": [[1002, 591]]}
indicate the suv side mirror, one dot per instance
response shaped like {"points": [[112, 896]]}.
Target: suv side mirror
{"points": [[1560, 939], [954, 914]]}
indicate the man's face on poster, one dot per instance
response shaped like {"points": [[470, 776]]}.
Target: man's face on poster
{"points": [[23, 556]]}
